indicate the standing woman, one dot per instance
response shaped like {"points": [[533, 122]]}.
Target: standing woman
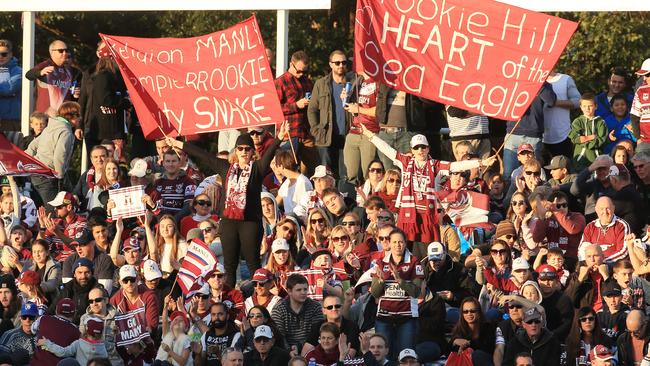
{"points": [[101, 97], [241, 214]]}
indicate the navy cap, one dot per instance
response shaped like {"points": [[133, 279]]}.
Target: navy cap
{"points": [[83, 262]]}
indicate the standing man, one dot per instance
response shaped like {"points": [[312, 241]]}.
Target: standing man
{"points": [[175, 188], [641, 163], [640, 113], [54, 80], [292, 88], [616, 84], [328, 120], [10, 87]]}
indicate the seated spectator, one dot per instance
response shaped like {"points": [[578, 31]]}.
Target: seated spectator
{"points": [[221, 335], [210, 230], [29, 285], [200, 208], [336, 205], [322, 180], [584, 285], [85, 247], [265, 351], [100, 308], [42, 262], [602, 356], [78, 288], [280, 263], [473, 332], [446, 278], [64, 228], [555, 259], [633, 287], [374, 348], [627, 200], [270, 213], [544, 346], [332, 310], [132, 297], [373, 182], [507, 328], [497, 192], [561, 179], [37, 123], [430, 341], [389, 188], [519, 208], [352, 224], [330, 282], [557, 306], [91, 344], [633, 343], [264, 281], [221, 292], [608, 231], [167, 247], [621, 154], [257, 316], [328, 351], [408, 357], [21, 338], [612, 317]]}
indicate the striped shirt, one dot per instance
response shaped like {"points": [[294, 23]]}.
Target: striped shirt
{"points": [[395, 301], [474, 125], [295, 327], [174, 193], [641, 109]]}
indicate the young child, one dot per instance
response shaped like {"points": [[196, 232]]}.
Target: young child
{"points": [[631, 286], [89, 346], [612, 317], [555, 259], [618, 123], [37, 123], [497, 195], [588, 133], [9, 209], [175, 346]]}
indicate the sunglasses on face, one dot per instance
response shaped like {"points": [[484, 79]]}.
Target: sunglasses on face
{"points": [[420, 147], [518, 203], [299, 72], [339, 63], [349, 223], [535, 173], [256, 133], [61, 50], [255, 316], [376, 170], [561, 205], [129, 280], [509, 236], [534, 321], [471, 311], [202, 296], [207, 229], [515, 306], [287, 229], [260, 283], [587, 319], [4, 54], [27, 317], [203, 202], [97, 300], [383, 238], [244, 148], [336, 239], [384, 218], [393, 180], [332, 307], [498, 251], [317, 221]]}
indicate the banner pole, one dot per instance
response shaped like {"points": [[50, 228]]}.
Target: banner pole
{"points": [[507, 137], [164, 134]]}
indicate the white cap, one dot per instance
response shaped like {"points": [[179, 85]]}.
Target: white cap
{"points": [[151, 270], [406, 353], [127, 271], [62, 198], [419, 140], [645, 67], [263, 331], [139, 168], [204, 290], [435, 251], [520, 263], [219, 268], [321, 171], [279, 244]]}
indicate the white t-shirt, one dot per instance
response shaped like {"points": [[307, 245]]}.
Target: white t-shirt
{"points": [[291, 193], [177, 345], [557, 121]]}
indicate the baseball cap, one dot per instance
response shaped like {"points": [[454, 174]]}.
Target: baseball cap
{"points": [[63, 198], [520, 263], [95, 326], [127, 271], [618, 170], [262, 275], [558, 162], [279, 244], [4, 181], [532, 314], [151, 270], [8, 281], [321, 171], [419, 140], [525, 147], [407, 353], [320, 252], [29, 277], [263, 331], [139, 168], [82, 237], [435, 251], [546, 272], [66, 307], [245, 140], [131, 244], [600, 353], [29, 309], [83, 262], [645, 67], [612, 288], [204, 290]]}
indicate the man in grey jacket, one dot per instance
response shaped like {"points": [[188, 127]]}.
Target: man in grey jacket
{"points": [[53, 147]]}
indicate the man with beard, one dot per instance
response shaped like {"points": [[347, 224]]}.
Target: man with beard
{"points": [[221, 335], [61, 231], [83, 281], [558, 307], [9, 301], [633, 343]]}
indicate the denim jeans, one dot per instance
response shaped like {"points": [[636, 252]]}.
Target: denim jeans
{"points": [[400, 141], [400, 334], [510, 161]]}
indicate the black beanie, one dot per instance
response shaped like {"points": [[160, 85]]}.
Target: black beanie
{"points": [[245, 139]]}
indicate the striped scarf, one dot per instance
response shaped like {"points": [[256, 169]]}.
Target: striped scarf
{"points": [[417, 191]]}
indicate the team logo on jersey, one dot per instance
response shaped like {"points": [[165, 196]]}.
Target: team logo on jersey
{"points": [[26, 167], [179, 188]]}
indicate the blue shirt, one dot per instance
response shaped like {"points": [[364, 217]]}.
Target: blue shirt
{"points": [[338, 113]]}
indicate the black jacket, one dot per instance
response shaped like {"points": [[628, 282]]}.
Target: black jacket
{"points": [[629, 205], [276, 357], [78, 294], [432, 321], [546, 351], [419, 112], [451, 277], [624, 349], [559, 314]]}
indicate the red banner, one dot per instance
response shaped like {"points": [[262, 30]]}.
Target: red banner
{"points": [[187, 86], [480, 55], [14, 161]]}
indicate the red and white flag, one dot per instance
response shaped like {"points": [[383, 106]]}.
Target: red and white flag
{"points": [[197, 264], [466, 208]]}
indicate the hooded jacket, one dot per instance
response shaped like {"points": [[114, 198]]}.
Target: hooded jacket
{"points": [[10, 87], [110, 330], [53, 147], [546, 351]]}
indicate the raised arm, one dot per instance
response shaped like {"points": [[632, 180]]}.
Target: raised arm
{"points": [[15, 195], [380, 144], [114, 253], [151, 242]]}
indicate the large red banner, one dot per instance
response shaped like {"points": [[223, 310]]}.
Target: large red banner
{"points": [[187, 86], [480, 55]]}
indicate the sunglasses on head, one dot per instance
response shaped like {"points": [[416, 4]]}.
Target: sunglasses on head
{"points": [[535, 173], [128, 280], [349, 223], [332, 307], [203, 202], [97, 300], [339, 63], [534, 321], [420, 147], [244, 148], [336, 239]]}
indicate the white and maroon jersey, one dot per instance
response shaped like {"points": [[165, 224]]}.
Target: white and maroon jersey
{"points": [[72, 228], [174, 193], [610, 238], [641, 109], [395, 301]]}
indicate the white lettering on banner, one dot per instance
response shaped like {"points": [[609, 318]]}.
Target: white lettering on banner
{"points": [[239, 41], [393, 290], [174, 56], [223, 112]]}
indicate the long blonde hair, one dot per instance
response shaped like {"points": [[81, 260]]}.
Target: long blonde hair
{"points": [[160, 241], [338, 230]]}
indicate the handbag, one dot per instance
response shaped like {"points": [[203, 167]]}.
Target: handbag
{"points": [[463, 358]]}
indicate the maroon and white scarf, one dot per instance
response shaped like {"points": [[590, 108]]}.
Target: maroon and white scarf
{"points": [[408, 197], [236, 191], [90, 178]]}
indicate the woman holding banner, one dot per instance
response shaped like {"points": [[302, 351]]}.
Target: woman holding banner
{"points": [[241, 210]]}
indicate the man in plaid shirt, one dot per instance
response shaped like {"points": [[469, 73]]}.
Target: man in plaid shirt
{"points": [[292, 88]]}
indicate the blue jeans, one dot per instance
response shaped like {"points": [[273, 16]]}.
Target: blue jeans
{"points": [[400, 334], [510, 161], [400, 141], [332, 157]]}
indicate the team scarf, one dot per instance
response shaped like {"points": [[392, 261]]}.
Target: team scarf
{"points": [[406, 198], [236, 185], [90, 178]]}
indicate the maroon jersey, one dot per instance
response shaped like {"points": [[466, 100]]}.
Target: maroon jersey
{"points": [[71, 226], [174, 193], [395, 301]]}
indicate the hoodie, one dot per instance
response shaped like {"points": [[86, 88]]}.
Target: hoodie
{"points": [[10, 87], [53, 147], [82, 349], [268, 227], [545, 351]]}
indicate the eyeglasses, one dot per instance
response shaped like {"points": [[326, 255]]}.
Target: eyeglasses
{"points": [[383, 238], [256, 133], [393, 180], [536, 173], [27, 317], [202, 296], [317, 221], [220, 275], [299, 72], [339, 63], [518, 203], [376, 170], [96, 301], [498, 251], [4, 54], [587, 319], [332, 307], [639, 166], [515, 306], [534, 321], [244, 148], [61, 50], [420, 147], [260, 283], [287, 229], [349, 223], [471, 311], [561, 205], [128, 280], [336, 239], [207, 229], [255, 316], [203, 202]]}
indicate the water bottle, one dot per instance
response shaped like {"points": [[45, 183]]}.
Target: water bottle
{"points": [[348, 90], [312, 362], [72, 87]]}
